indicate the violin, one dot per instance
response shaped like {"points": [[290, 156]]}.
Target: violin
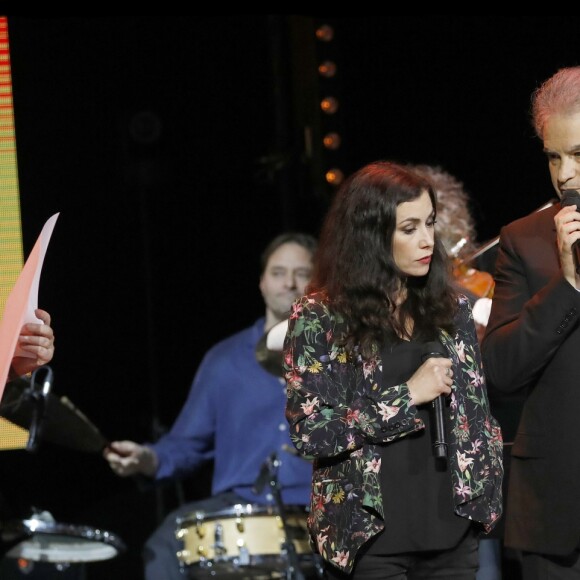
{"points": [[479, 283], [476, 281]]}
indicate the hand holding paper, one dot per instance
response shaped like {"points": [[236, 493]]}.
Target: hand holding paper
{"points": [[26, 338], [36, 343]]}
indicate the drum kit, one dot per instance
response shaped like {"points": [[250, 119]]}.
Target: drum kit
{"points": [[247, 541], [29, 406]]}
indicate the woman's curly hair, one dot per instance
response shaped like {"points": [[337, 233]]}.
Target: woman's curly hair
{"points": [[354, 266]]}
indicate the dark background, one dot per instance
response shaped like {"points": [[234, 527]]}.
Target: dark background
{"points": [[175, 148]]}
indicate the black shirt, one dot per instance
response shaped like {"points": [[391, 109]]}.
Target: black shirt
{"points": [[416, 487]]}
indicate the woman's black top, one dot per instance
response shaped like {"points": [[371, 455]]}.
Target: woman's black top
{"points": [[416, 486]]}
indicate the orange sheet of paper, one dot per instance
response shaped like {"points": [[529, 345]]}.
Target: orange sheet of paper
{"points": [[22, 302]]}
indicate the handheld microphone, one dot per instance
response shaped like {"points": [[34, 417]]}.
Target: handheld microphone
{"points": [[435, 349], [572, 197]]}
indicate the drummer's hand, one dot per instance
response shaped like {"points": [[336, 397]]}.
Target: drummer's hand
{"points": [[129, 458], [37, 339]]}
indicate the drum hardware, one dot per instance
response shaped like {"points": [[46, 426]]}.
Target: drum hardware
{"points": [[38, 395], [270, 360], [199, 524], [269, 349], [11, 537], [257, 551], [244, 557], [40, 538], [276, 335], [48, 417], [219, 547], [269, 472], [30, 404], [246, 541]]}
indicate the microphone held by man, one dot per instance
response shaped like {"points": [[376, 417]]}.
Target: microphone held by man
{"points": [[572, 197]]}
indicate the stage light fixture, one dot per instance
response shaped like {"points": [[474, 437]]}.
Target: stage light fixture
{"points": [[329, 105], [325, 33], [331, 141], [327, 69], [334, 176]]}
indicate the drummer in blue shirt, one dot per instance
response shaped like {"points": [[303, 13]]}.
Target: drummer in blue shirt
{"points": [[234, 415]]}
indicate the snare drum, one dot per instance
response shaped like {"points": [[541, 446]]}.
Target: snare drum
{"points": [[48, 541], [243, 541]]}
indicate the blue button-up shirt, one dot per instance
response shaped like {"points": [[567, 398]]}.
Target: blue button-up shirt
{"points": [[234, 414]]}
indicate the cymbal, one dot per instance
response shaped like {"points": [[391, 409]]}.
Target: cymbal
{"points": [[40, 538], [276, 335], [62, 423], [271, 360]]}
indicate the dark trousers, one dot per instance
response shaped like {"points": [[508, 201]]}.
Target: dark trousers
{"points": [[458, 563]]}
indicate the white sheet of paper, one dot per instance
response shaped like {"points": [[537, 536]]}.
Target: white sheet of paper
{"points": [[32, 302], [22, 302]]}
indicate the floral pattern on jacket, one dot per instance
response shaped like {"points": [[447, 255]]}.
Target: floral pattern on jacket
{"points": [[338, 414]]}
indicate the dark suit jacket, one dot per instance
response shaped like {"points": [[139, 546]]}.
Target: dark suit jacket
{"points": [[533, 343]]}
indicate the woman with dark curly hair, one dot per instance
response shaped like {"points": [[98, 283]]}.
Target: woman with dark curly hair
{"points": [[379, 353]]}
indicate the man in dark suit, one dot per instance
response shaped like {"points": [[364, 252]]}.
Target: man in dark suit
{"points": [[532, 343]]}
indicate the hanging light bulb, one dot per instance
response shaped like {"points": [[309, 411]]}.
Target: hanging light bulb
{"points": [[331, 141], [334, 176], [325, 33], [329, 105], [327, 69]]}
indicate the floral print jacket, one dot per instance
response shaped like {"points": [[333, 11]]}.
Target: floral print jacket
{"points": [[338, 414]]}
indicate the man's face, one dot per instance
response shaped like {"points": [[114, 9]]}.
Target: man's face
{"points": [[562, 147], [285, 278]]}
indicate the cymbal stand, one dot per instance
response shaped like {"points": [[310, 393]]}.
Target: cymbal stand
{"points": [[37, 393], [10, 538], [270, 467]]}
